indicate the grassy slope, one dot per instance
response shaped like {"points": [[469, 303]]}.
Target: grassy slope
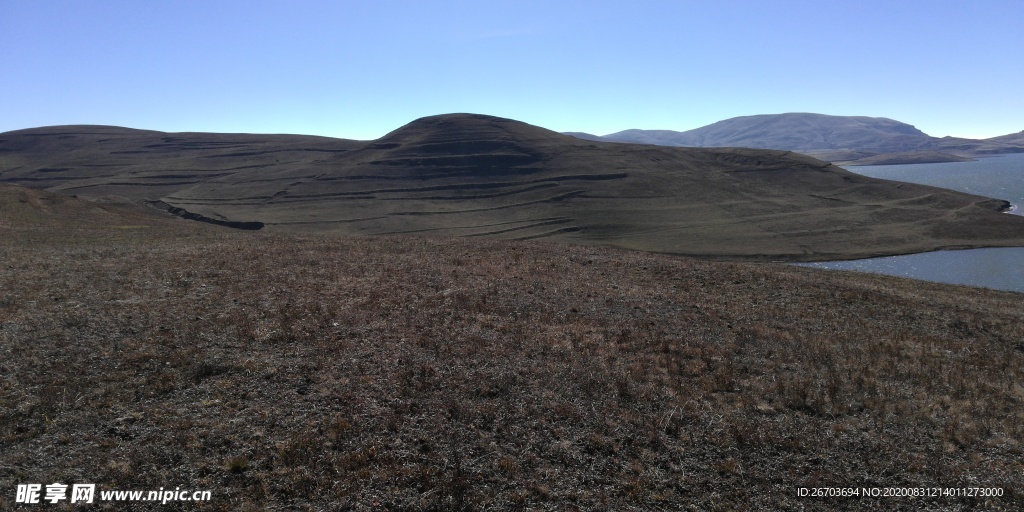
{"points": [[848, 158], [28, 214], [318, 372], [113, 162], [471, 175]]}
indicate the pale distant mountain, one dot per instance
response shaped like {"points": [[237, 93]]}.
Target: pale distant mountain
{"points": [[843, 139], [1013, 138], [794, 132], [585, 136]]}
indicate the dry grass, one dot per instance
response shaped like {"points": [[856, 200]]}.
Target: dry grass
{"points": [[319, 373]]}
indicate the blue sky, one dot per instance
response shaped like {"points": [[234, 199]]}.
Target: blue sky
{"points": [[358, 69]]}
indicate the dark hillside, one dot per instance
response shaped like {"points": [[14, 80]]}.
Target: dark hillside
{"points": [[476, 175], [107, 161]]}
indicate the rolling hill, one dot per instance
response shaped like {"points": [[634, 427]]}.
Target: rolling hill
{"points": [[290, 371], [795, 132], [850, 140], [1013, 138], [476, 175]]}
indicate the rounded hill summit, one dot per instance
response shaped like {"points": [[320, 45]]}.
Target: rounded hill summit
{"points": [[479, 175]]}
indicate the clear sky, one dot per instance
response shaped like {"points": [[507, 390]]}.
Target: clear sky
{"points": [[358, 69]]}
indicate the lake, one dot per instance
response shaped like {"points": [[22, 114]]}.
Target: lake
{"points": [[1000, 177]]}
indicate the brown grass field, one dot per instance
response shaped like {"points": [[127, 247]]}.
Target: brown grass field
{"points": [[320, 372]]}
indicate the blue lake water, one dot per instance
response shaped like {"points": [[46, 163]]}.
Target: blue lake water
{"points": [[1000, 177]]}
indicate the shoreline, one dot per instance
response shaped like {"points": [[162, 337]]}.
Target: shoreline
{"points": [[965, 267]]}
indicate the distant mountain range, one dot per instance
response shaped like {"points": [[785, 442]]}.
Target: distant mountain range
{"points": [[477, 175], [848, 140]]}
